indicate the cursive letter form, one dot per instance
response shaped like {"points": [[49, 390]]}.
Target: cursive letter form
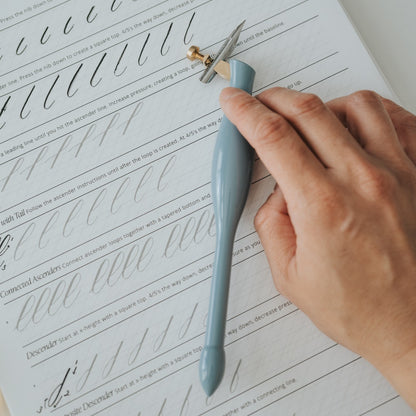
{"points": [[89, 18], [42, 39], [187, 41], [18, 50], [45, 106], [139, 59], [22, 116], [92, 83], [66, 29], [68, 91], [163, 52], [118, 62]]}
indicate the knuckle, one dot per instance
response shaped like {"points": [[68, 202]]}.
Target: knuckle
{"points": [[327, 205], [378, 183], [408, 121], [398, 112], [364, 97], [270, 129], [242, 104], [392, 108], [306, 104]]}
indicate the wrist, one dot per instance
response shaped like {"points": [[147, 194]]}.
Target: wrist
{"points": [[401, 373]]}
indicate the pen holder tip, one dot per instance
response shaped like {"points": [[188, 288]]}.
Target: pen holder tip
{"points": [[211, 368]]}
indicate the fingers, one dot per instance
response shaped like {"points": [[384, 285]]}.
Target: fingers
{"points": [[277, 236], [319, 127], [278, 145], [405, 125], [366, 117]]}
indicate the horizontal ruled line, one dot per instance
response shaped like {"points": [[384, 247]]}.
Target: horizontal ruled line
{"points": [[31, 17], [74, 43], [180, 60], [165, 134], [136, 314], [180, 345]]}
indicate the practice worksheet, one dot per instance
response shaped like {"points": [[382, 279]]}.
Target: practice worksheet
{"points": [[106, 224]]}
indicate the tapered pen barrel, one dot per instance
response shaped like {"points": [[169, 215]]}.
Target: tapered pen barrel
{"points": [[231, 176]]}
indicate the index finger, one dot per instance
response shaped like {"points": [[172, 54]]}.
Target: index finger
{"points": [[281, 149]]}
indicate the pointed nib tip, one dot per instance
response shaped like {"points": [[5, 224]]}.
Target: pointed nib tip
{"points": [[211, 368], [240, 27]]}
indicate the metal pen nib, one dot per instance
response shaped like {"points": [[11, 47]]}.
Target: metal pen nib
{"points": [[217, 64]]}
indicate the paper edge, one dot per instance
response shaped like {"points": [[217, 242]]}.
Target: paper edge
{"points": [[370, 54]]}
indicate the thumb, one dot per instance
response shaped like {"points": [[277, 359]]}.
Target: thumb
{"points": [[277, 236]]}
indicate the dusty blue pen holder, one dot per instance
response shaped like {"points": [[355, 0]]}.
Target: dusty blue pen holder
{"points": [[231, 176]]}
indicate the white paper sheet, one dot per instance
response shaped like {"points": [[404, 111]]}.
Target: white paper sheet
{"points": [[107, 234]]}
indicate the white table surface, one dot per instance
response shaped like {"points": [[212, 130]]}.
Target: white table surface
{"points": [[388, 28]]}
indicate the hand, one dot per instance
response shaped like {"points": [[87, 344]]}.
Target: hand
{"points": [[339, 231]]}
